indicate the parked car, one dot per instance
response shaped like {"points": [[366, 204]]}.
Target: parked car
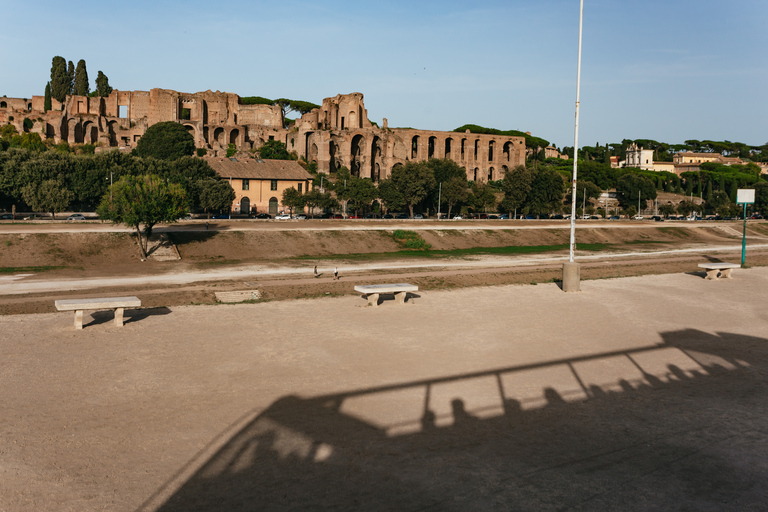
{"points": [[263, 216], [504, 216], [300, 216], [388, 216], [657, 218], [638, 217], [373, 216], [457, 217], [336, 216], [6, 216], [402, 216], [756, 216], [221, 216], [76, 216], [33, 216], [283, 216], [557, 217], [418, 216], [614, 217]]}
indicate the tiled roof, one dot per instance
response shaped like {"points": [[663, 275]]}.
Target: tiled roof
{"points": [[258, 169]]}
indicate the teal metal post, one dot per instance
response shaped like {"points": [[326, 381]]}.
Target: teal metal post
{"points": [[744, 237]]}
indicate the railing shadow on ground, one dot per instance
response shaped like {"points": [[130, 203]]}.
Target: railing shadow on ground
{"points": [[678, 424]]}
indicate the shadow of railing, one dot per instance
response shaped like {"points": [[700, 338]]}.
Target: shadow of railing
{"points": [[625, 430]]}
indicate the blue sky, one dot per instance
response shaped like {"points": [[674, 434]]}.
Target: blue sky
{"points": [[668, 71]]}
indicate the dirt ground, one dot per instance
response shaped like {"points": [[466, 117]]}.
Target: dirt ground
{"points": [[636, 394], [87, 255]]}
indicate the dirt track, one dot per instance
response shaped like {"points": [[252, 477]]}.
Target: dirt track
{"points": [[227, 258]]}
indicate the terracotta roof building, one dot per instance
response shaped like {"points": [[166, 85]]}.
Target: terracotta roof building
{"points": [[259, 184]]}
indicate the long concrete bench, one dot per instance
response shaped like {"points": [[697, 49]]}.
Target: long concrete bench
{"points": [[372, 291], [118, 304], [723, 269]]}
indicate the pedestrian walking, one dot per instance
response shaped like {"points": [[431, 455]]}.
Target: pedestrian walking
{"points": [[315, 270], [336, 273]]}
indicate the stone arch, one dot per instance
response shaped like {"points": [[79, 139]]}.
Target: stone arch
{"points": [[205, 134], [491, 177], [352, 119], [90, 133], [448, 143], [3, 104], [504, 171], [431, 143], [50, 131], [491, 146], [191, 129], [29, 106], [356, 154], [112, 132], [463, 148], [415, 147], [397, 165], [273, 206], [477, 147], [234, 137], [74, 131], [313, 153], [474, 176], [375, 158], [218, 136], [506, 150], [332, 151], [245, 205]]}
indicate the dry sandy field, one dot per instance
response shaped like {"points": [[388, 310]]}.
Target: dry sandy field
{"points": [[636, 393], [643, 393]]}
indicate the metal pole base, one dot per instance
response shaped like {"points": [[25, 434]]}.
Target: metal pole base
{"points": [[571, 277]]}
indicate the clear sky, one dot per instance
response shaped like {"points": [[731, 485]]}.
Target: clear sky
{"points": [[666, 70]]}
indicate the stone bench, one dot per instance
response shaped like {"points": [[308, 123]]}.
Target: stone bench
{"points": [[118, 304], [723, 269], [372, 291]]}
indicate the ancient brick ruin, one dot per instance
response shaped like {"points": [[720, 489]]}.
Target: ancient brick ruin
{"points": [[337, 134]]}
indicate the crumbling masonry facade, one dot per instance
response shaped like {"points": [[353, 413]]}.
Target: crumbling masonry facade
{"points": [[338, 134]]}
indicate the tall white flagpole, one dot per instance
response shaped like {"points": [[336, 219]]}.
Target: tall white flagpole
{"points": [[571, 274]]}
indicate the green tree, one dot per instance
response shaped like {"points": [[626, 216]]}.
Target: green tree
{"points": [[516, 186], [547, 189], [455, 191], [666, 210], [71, 77], [81, 87], [215, 195], [443, 169], [293, 199], [49, 196], [482, 197], [633, 188], [47, 101], [414, 181], [103, 88], [686, 208], [165, 141], [718, 201], [316, 199], [357, 192], [60, 82], [143, 200], [275, 150], [390, 195]]}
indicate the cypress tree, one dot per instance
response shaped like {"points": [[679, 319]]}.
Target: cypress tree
{"points": [[59, 79], [734, 190], [708, 197], [688, 186], [698, 187], [81, 87], [103, 88], [47, 102], [71, 74], [721, 186]]}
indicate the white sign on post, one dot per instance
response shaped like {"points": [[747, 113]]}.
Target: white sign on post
{"points": [[745, 196]]}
